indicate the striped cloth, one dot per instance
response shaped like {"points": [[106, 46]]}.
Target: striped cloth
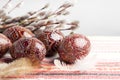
{"points": [[105, 53]]}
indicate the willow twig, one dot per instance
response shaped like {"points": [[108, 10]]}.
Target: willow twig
{"points": [[41, 18], [18, 5], [6, 5]]}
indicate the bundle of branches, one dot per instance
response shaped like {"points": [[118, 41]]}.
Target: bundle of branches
{"points": [[40, 19]]}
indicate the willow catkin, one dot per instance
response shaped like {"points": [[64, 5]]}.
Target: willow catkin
{"points": [[42, 17]]}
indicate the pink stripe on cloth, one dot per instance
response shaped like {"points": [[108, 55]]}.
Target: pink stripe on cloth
{"points": [[70, 75]]}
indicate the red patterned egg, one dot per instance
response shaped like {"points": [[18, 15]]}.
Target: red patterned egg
{"points": [[32, 48], [73, 47], [51, 39], [5, 44], [17, 32]]}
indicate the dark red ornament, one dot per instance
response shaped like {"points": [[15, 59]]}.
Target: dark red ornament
{"points": [[51, 39], [5, 44], [32, 48], [17, 32], [73, 47]]}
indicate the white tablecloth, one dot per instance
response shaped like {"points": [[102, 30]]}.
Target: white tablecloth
{"points": [[103, 62]]}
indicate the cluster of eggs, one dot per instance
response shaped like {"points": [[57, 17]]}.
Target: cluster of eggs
{"points": [[21, 42]]}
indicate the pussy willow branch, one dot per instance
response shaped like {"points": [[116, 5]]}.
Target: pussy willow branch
{"points": [[60, 11], [36, 20], [29, 16], [3, 15], [6, 5], [18, 5], [26, 19]]}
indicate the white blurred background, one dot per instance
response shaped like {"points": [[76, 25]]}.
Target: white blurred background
{"points": [[97, 17]]}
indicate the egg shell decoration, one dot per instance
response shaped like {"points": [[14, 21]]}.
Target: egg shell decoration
{"points": [[5, 44], [73, 47], [16, 32], [51, 39], [32, 48]]}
